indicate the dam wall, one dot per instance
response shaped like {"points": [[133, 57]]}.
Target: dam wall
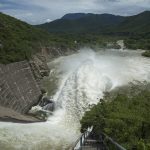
{"points": [[18, 87]]}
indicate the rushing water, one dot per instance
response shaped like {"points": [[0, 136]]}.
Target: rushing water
{"points": [[83, 79]]}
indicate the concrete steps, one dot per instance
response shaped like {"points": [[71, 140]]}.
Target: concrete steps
{"points": [[92, 144]]}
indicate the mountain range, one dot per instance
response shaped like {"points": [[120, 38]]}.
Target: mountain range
{"points": [[19, 40], [100, 23]]}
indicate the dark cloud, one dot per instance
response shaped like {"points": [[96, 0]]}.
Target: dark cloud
{"points": [[38, 11]]}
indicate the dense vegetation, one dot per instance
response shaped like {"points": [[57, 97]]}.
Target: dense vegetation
{"points": [[19, 40], [89, 23], [146, 54], [135, 30], [123, 115], [100, 23], [83, 40]]}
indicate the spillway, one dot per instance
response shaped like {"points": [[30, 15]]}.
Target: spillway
{"points": [[82, 80]]}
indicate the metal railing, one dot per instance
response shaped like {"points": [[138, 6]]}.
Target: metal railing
{"points": [[105, 138], [116, 145], [80, 141]]}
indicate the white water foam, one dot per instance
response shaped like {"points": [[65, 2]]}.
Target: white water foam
{"points": [[84, 77]]}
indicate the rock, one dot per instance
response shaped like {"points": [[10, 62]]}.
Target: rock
{"points": [[39, 67], [120, 43], [40, 113], [56, 51], [47, 104], [44, 108]]}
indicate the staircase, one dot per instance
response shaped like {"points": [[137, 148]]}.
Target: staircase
{"points": [[92, 144], [88, 141]]}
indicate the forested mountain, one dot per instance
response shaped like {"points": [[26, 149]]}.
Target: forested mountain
{"points": [[74, 16], [97, 28], [139, 23], [78, 23], [19, 40], [100, 23]]}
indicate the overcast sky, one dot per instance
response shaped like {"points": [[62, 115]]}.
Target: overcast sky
{"points": [[40, 11]]}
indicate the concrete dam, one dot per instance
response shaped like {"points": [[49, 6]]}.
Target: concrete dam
{"points": [[18, 87]]}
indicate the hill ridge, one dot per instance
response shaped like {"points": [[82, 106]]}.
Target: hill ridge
{"points": [[98, 23]]}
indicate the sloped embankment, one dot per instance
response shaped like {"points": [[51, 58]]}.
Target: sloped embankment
{"points": [[18, 89]]}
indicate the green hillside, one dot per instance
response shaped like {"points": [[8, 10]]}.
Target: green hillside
{"points": [[19, 40], [87, 24], [123, 115], [139, 23], [94, 29], [100, 23]]}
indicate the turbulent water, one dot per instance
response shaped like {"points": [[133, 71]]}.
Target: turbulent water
{"points": [[83, 79]]}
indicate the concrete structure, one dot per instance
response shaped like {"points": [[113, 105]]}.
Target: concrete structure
{"points": [[18, 87]]}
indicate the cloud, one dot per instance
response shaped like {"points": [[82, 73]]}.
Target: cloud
{"points": [[48, 20], [37, 11]]}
